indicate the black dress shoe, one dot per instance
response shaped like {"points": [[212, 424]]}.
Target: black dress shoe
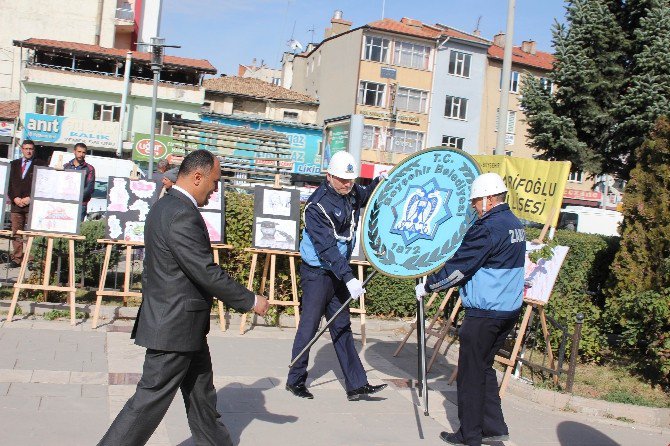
{"points": [[355, 395], [452, 438], [300, 391]]}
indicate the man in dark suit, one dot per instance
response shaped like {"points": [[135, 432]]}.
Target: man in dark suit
{"points": [[178, 282], [20, 186]]}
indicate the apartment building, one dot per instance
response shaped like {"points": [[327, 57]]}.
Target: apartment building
{"points": [[458, 90], [105, 23], [382, 70], [72, 92], [261, 105], [261, 72]]}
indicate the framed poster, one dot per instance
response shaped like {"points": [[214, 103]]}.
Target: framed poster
{"points": [[213, 213], [4, 182], [55, 200], [276, 219], [128, 203]]}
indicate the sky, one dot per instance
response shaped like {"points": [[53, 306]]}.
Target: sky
{"points": [[232, 32]]}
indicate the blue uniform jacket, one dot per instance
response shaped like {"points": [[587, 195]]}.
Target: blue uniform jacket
{"points": [[331, 220], [489, 266]]}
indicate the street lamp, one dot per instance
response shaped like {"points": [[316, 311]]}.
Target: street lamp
{"points": [[157, 44]]}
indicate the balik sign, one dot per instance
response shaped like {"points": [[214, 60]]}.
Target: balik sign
{"points": [[416, 219]]}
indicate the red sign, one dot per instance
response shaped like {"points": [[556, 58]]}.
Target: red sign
{"points": [[588, 195], [160, 150]]}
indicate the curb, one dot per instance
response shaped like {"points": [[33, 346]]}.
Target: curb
{"points": [[648, 416]]}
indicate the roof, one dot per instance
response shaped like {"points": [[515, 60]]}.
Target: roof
{"points": [[406, 26], [255, 88], [540, 59], [9, 109], [448, 31], [115, 53]]}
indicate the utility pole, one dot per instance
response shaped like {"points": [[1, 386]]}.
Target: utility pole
{"points": [[504, 88], [157, 45]]}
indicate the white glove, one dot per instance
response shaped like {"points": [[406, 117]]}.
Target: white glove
{"points": [[355, 288], [420, 290]]}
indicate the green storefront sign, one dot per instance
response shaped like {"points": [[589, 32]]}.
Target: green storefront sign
{"points": [[164, 147]]}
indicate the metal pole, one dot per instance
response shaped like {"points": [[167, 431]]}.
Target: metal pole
{"points": [[327, 324], [421, 338], [152, 138], [574, 351], [506, 72], [124, 100]]}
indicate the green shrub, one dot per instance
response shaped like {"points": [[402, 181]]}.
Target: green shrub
{"points": [[579, 286]]}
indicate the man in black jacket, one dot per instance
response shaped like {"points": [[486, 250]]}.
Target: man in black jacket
{"points": [[178, 282], [20, 186]]}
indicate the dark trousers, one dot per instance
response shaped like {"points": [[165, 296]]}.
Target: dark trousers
{"points": [[18, 220], [323, 294], [164, 373], [479, 409]]}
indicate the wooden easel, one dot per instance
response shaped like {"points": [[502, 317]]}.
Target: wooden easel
{"points": [[125, 293], [269, 273], [20, 285], [222, 311], [441, 332], [361, 300]]}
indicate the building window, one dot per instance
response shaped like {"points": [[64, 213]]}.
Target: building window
{"points": [[376, 49], [373, 138], [511, 121], [576, 177], [371, 93], [291, 116], [50, 106], [163, 126], [406, 141], [455, 107], [453, 141], [411, 100], [411, 55], [102, 112], [459, 63], [546, 84], [513, 81], [276, 81]]}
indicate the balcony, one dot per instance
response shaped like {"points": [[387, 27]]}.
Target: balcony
{"points": [[125, 19]]}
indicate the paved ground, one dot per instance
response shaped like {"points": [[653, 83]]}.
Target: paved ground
{"points": [[62, 385]]}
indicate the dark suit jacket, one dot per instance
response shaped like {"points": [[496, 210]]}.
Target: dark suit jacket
{"points": [[21, 187], [180, 278]]}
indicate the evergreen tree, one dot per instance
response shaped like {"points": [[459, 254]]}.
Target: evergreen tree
{"points": [[576, 122], [612, 70], [638, 302], [647, 94]]}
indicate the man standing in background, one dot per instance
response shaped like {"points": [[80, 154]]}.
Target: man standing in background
{"points": [[20, 186], [79, 163]]}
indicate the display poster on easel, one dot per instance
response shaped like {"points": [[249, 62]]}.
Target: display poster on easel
{"points": [[55, 201], [128, 203], [214, 215], [276, 218], [4, 183], [539, 278]]}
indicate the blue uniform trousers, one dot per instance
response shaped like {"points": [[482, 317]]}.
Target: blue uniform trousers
{"points": [[479, 408], [323, 294]]}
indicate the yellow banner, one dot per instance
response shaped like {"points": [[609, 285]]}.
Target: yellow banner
{"points": [[535, 187]]}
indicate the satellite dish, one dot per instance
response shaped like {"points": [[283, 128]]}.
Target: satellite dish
{"points": [[295, 45]]}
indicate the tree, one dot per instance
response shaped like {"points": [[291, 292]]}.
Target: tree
{"points": [[612, 71], [638, 300]]}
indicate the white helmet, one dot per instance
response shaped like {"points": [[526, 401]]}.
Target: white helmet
{"points": [[486, 185], [343, 165]]}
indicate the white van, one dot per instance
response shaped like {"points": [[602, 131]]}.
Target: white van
{"points": [[105, 167], [590, 220]]}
